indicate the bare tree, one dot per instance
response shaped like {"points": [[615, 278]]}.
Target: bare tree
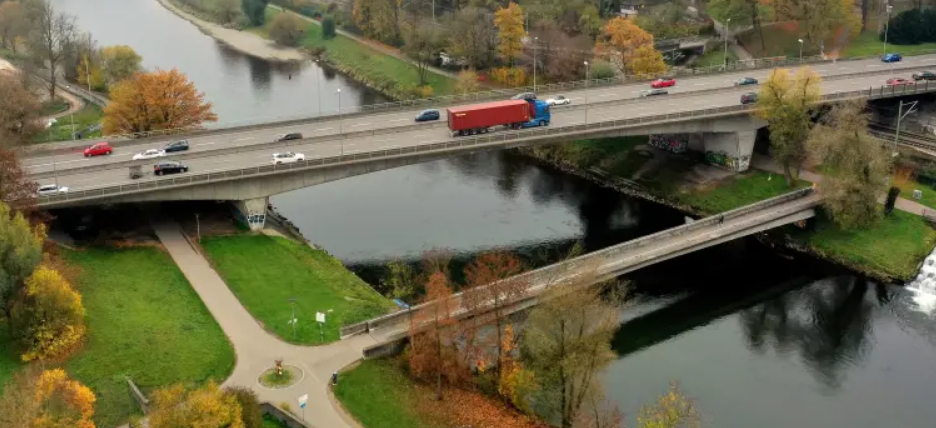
{"points": [[51, 33], [422, 42], [19, 113]]}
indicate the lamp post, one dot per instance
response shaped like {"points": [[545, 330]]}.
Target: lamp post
{"points": [[889, 8], [535, 39], [340, 120], [293, 320], [727, 23], [318, 86], [197, 228], [900, 115], [800, 49], [587, 82]]}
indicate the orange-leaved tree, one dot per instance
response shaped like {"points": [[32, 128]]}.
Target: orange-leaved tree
{"points": [[492, 286], [205, 407], [64, 403], [515, 383], [629, 47], [48, 320], [431, 354], [510, 32], [157, 100]]}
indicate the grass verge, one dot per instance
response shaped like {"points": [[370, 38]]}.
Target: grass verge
{"points": [[87, 116], [378, 395], [59, 105], [739, 190], [145, 322], [929, 194], [868, 44], [714, 57], [894, 246], [9, 361], [265, 272]]}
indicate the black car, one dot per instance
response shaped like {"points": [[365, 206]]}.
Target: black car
{"points": [[748, 98], [652, 92], [924, 75], [527, 96], [289, 136], [427, 115], [176, 146], [744, 81], [169, 167]]}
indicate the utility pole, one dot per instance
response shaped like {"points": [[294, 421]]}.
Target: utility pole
{"points": [[727, 24], [889, 8], [900, 115], [535, 40]]}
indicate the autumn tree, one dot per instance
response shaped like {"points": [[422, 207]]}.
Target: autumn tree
{"points": [[431, 355], [671, 410], [467, 82], [510, 32], [785, 101], [19, 114], [227, 11], [158, 100], [15, 186], [473, 38], [63, 402], [598, 412], [18, 404], [514, 383], [421, 44], [48, 319], [91, 73], [378, 19], [741, 13], [400, 280], [567, 343], [205, 407], [255, 11], [249, 403], [857, 165], [630, 48], [817, 19], [120, 63], [492, 285], [12, 24], [287, 29], [20, 253], [50, 33]]}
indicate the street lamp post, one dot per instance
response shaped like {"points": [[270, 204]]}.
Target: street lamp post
{"points": [[900, 115], [73, 125], [318, 86], [535, 39], [340, 120], [887, 27], [587, 83], [727, 23], [800, 49]]}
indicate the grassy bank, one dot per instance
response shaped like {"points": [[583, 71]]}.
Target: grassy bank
{"points": [[266, 272], [54, 107], [715, 57], [929, 194], [868, 44], [87, 116], [378, 395], [738, 190]]}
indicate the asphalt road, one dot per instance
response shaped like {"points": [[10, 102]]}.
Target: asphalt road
{"points": [[377, 121], [77, 179]]}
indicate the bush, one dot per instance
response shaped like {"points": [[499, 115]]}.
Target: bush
{"points": [[48, 321], [600, 69], [287, 29], [509, 76], [328, 27], [250, 405], [912, 27]]}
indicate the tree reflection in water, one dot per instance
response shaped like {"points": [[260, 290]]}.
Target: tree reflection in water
{"points": [[827, 323]]}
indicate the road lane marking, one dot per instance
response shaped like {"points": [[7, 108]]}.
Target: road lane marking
{"points": [[204, 144], [321, 129], [360, 124], [245, 139], [399, 120]]}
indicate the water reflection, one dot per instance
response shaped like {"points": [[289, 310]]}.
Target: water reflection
{"points": [[828, 324]]}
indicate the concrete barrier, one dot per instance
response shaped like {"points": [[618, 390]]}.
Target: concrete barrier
{"points": [[283, 416]]}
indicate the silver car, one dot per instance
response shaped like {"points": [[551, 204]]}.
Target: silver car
{"points": [[52, 189]]}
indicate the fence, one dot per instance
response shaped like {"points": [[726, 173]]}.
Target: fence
{"points": [[549, 274]]}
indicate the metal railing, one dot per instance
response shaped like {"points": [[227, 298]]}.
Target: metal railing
{"points": [[544, 276], [459, 99], [494, 139]]}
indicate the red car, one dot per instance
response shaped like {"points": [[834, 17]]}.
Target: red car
{"points": [[898, 81], [98, 149], [663, 82]]}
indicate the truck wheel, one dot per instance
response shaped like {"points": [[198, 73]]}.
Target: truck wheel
{"points": [[542, 123]]}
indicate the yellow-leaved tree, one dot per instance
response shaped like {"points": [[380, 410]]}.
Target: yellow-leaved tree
{"points": [[64, 403], [630, 48], [784, 101], [88, 68], [510, 32], [120, 63], [48, 320], [467, 82], [205, 407], [157, 100]]}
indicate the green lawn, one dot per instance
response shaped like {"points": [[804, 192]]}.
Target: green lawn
{"points": [[58, 106], [266, 272], [365, 62], [868, 44], [893, 246], [715, 57], [739, 190], [9, 361], [378, 395], [145, 322], [779, 41], [88, 115], [929, 194]]}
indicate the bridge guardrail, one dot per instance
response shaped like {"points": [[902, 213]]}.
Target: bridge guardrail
{"points": [[394, 130], [193, 179], [461, 99], [551, 272]]}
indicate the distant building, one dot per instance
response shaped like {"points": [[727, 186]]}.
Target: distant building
{"points": [[628, 10]]}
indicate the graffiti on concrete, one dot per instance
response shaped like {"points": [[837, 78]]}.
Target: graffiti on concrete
{"points": [[725, 160], [668, 143]]}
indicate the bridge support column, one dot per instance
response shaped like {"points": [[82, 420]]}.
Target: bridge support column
{"points": [[730, 150], [252, 212]]}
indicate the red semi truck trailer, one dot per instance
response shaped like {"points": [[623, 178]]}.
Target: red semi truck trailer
{"points": [[477, 118]]}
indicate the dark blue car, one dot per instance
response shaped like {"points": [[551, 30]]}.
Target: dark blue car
{"points": [[891, 57], [427, 115]]}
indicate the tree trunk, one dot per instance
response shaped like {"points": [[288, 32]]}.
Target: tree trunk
{"points": [[788, 174]]}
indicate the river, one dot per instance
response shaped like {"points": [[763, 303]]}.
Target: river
{"points": [[755, 338]]}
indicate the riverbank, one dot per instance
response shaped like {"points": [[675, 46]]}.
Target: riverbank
{"points": [[241, 41]]}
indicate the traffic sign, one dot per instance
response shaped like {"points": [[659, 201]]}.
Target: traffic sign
{"points": [[320, 317], [302, 400]]}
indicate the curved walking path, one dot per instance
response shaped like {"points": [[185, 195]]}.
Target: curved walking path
{"points": [[74, 104], [257, 349]]}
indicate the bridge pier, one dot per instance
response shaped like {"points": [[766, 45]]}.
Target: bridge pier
{"points": [[730, 150], [252, 212]]}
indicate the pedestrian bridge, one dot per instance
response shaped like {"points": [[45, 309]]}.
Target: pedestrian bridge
{"points": [[392, 330]]}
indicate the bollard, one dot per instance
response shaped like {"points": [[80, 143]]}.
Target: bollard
{"points": [[335, 378]]}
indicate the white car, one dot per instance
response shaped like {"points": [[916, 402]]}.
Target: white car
{"points": [[52, 189], [287, 157], [149, 154], [559, 101]]}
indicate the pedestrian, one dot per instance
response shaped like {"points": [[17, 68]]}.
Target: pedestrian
{"points": [[721, 219]]}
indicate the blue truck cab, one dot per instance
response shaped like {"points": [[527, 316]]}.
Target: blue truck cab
{"points": [[541, 115]]}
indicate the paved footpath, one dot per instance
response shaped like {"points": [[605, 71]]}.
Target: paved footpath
{"points": [[257, 349]]}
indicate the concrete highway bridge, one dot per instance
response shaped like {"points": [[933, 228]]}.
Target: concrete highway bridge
{"points": [[235, 164], [392, 330]]}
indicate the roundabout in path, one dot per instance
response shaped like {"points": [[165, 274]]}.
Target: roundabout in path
{"points": [[291, 375]]}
